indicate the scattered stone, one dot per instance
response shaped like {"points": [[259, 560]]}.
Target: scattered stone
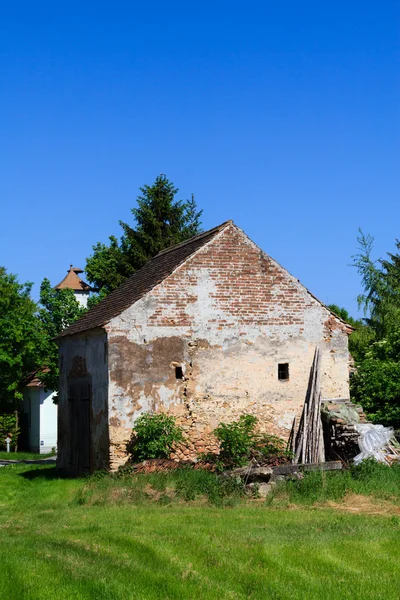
{"points": [[278, 478], [262, 489], [250, 474]]}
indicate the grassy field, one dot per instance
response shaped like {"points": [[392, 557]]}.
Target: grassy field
{"points": [[24, 455], [147, 538]]}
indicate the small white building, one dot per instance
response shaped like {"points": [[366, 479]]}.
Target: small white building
{"points": [[39, 417], [39, 413]]}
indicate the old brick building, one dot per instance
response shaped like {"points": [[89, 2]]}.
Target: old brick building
{"points": [[207, 330]]}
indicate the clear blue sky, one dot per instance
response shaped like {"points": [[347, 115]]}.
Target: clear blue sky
{"points": [[283, 116]]}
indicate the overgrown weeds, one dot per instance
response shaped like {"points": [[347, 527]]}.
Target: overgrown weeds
{"points": [[179, 485], [240, 443], [369, 478]]}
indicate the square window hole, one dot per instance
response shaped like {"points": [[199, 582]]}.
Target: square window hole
{"points": [[178, 373], [283, 371]]}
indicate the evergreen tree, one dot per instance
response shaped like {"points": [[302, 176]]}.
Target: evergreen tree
{"points": [[159, 222], [381, 283]]}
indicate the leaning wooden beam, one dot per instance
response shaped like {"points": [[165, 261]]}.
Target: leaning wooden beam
{"points": [[308, 441], [290, 442]]}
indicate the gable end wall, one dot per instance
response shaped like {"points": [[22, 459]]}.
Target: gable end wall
{"points": [[227, 316]]}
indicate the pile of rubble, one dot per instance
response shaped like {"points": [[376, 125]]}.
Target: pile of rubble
{"points": [[262, 480]]}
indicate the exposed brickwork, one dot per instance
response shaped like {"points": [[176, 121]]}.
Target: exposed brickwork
{"points": [[250, 288]]}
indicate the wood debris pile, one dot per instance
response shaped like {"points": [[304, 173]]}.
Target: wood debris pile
{"points": [[339, 419]]}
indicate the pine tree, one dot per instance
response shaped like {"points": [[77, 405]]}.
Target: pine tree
{"points": [[159, 222]]}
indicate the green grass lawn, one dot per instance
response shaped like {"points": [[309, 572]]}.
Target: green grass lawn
{"points": [[24, 455], [108, 539]]}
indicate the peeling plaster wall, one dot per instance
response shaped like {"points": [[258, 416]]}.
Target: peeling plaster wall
{"points": [[228, 316], [84, 358]]}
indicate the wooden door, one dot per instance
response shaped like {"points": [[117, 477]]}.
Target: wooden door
{"points": [[79, 403]]}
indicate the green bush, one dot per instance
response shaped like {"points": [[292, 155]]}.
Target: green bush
{"points": [[8, 425], [236, 440], [271, 447], [154, 436], [239, 443]]}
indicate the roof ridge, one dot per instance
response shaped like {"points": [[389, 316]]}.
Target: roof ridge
{"points": [[195, 238]]}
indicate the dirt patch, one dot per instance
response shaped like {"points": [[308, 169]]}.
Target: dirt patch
{"points": [[356, 503], [155, 495]]}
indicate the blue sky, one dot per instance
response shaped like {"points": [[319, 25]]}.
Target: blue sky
{"points": [[283, 116]]}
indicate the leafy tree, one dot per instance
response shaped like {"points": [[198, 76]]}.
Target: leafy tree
{"points": [[159, 222], [376, 383], [343, 314], [58, 310], [21, 340]]}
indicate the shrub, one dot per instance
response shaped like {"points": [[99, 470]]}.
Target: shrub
{"points": [[154, 436], [271, 448], [236, 440], [239, 442]]}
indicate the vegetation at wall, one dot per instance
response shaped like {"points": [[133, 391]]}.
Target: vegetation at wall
{"points": [[95, 539], [154, 436], [159, 221], [240, 442]]}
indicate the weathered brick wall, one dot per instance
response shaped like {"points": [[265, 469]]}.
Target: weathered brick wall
{"points": [[227, 316]]}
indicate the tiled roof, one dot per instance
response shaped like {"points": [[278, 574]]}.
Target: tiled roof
{"points": [[72, 281], [141, 282]]}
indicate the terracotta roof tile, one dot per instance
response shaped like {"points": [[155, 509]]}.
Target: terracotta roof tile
{"points": [[72, 281]]}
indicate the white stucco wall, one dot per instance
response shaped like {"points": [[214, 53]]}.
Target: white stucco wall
{"points": [[40, 419], [48, 421]]}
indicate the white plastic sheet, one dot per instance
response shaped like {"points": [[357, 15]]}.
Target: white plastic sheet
{"points": [[374, 441]]}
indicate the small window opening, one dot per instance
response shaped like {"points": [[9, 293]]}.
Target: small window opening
{"points": [[283, 371], [178, 373]]}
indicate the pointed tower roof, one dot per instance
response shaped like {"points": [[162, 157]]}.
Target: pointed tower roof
{"points": [[72, 281]]}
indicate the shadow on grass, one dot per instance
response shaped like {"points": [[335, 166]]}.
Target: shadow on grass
{"points": [[48, 473]]}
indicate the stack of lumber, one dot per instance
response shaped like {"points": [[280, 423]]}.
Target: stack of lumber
{"points": [[307, 444]]}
